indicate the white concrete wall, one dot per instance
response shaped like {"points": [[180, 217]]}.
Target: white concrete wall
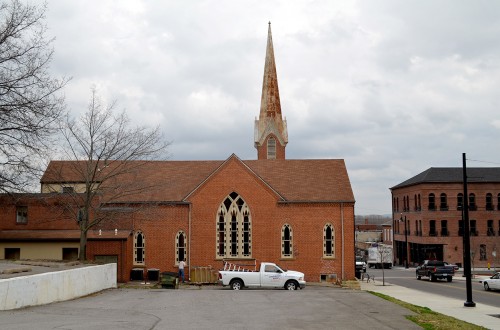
{"points": [[50, 287]]}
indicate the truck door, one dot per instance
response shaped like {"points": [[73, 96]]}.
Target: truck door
{"points": [[272, 276]]}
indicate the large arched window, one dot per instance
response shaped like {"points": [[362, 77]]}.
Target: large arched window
{"points": [[180, 247], [139, 248], [328, 240], [489, 202], [443, 202], [234, 228], [472, 202], [286, 241], [271, 148]]}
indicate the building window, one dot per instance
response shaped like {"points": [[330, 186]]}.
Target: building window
{"points": [[416, 228], [473, 228], [397, 204], [472, 202], [498, 202], [180, 247], [234, 228], [286, 241], [420, 227], [68, 190], [432, 202], [460, 201], [490, 231], [460, 228], [444, 228], [419, 203], [328, 241], [271, 148], [489, 202], [443, 205], [432, 228], [21, 215], [482, 252], [139, 248]]}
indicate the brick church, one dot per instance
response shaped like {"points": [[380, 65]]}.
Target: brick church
{"points": [[296, 213]]}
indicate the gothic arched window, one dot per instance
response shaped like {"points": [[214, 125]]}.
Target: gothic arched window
{"points": [[180, 247], [286, 241], [271, 148], [328, 240], [234, 228], [139, 248]]}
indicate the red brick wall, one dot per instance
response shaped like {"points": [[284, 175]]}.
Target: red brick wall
{"points": [[452, 244]]}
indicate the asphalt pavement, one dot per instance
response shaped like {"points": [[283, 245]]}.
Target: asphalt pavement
{"points": [[483, 315]]}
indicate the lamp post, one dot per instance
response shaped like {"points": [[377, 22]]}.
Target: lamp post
{"points": [[406, 242]]}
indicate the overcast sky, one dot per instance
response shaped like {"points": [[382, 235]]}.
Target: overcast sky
{"points": [[391, 87]]}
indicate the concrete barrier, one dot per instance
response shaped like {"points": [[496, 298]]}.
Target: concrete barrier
{"points": [[55, 286]]}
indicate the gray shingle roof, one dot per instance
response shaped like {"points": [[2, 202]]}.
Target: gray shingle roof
{"points": [[453, 175]]}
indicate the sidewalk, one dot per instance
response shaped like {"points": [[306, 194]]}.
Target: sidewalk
{"points": [[479, 315]]}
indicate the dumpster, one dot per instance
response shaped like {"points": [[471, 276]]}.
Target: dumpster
{"points": [[169, 280], [137, 274], [153, 274]]}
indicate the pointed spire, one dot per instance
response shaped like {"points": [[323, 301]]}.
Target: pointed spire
{"points": [[270, 125], [270, 105]]}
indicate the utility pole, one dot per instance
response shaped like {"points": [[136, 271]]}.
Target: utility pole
{"points": [[465, 218]]}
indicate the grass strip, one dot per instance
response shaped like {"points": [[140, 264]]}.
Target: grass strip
{"points": [[428, 319]]}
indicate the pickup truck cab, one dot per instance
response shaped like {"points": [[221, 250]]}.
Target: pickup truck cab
{"points": [[269, 276], [435, 269]]}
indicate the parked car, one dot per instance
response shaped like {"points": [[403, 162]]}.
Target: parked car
{"points": [[360, 264], [492, 283]]}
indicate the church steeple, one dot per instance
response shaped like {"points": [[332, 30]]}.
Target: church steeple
{"points": [[271, 135]]}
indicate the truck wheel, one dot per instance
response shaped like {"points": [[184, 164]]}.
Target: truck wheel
{"points": [[432, 278], [418, 276], [449, 279], [291, 285], [236, 285], [486, 286]]}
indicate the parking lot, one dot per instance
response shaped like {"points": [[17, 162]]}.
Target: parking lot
{"points": [[213, 307]]}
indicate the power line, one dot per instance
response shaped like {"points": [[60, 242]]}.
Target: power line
{"points": [[483, 161]]}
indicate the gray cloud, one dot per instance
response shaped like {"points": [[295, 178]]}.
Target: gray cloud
{"points": [[392, 87]]}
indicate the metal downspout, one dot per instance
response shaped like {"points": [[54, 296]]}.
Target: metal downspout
{"points": [[343, 247], [189, 242]]}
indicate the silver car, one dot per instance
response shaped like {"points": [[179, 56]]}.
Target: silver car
{"points": [[492, 283]]}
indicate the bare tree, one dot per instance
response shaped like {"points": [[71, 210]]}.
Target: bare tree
{"points": [[29, 105], [106, 154], [385, 254]]}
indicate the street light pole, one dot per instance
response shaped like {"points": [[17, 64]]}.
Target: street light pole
{"points": [[406, 242]]}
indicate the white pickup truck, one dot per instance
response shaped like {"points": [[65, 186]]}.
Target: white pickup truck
{"points": [[269, 276]]}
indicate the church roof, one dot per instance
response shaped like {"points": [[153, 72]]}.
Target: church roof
{"points": [[453, 175], [321, 180]]}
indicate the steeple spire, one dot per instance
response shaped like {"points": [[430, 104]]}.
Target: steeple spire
{"points": [[271, 134]]}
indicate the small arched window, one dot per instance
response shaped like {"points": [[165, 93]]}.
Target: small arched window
{"points": [[432, 202], [489, 202], [286, 241], [460, 201], [271, 148], [180, 247], [443, 205], [139, 248], [328, 240], [472, 202]]}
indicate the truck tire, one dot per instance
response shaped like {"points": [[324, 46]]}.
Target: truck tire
{"points": [[418, 276], [236, 284], [291, 285], [432, 278], [449, 279]]}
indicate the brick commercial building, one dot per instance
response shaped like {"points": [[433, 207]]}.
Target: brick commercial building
{"points": [[297, 213], [432, 204]]}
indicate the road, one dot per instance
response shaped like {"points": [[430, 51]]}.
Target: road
{"points": [[456, 289]]}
